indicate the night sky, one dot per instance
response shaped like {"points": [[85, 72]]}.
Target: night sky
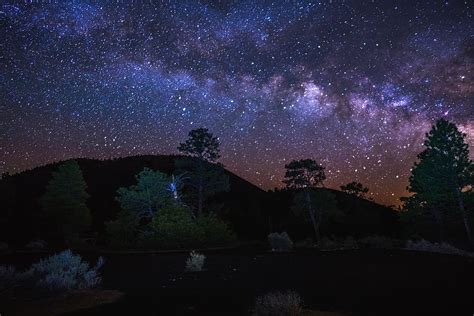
{"points": [[352, 85]]}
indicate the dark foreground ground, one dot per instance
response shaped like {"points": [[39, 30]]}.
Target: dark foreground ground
{"points": [[362, 282]]}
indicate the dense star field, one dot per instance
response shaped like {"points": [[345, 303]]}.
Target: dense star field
{"points": [[352, 85]]}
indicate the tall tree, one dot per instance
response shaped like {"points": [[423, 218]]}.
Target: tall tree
{"points": [[140, 203], [417, 218], [143, 199], [444, 171], [64, 202], [429, 196], [201, 144], [305, 175], [355, 188], [204, 175]]}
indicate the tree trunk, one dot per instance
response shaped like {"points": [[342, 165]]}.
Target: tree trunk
{"points": [[200, 187], [465, 217], [200, 197], [439, 222], [312, 216], [316, 231]]}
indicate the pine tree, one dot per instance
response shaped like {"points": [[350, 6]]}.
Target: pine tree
{"points": [[355, 188], [443, 172], [64, 202], [201, 144], [204, 175], [143, 199], [305, 175]]}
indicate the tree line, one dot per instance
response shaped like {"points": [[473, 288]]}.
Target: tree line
{"points": [[440, 185], [158, 210]]}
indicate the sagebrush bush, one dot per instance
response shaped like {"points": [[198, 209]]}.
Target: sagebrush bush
{"points": [[280, 242], [425, 245], [278, 304], [63, 272], [195, 262]]}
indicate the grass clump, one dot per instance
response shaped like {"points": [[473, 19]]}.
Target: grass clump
{"points": [[195, 262], [280, 242], [278, 304], [425, 245]]}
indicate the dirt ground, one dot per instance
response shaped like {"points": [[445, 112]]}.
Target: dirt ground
{"points": [[359, 282]]}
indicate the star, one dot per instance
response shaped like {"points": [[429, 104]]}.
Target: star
{"points": [[354, 85]]}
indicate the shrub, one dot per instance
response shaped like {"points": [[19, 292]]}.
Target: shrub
{"points": [[278, 304], [328, 244], [350, 243], [172, 227], [195, 262], [122, 232], [425, 245], [306, 243], [63, 272], [88, 243], [280, 242], [215, 232], [37, 245], [9, 277], [377, 242]]}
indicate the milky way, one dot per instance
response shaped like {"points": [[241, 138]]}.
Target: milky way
{"points": [[352, 84]]}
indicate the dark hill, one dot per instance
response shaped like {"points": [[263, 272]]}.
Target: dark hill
{"points": [[361, 217], [252, 212], [21, 193]]}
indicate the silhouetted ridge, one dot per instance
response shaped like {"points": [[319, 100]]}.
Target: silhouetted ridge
{"points": [[251, 212]]}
